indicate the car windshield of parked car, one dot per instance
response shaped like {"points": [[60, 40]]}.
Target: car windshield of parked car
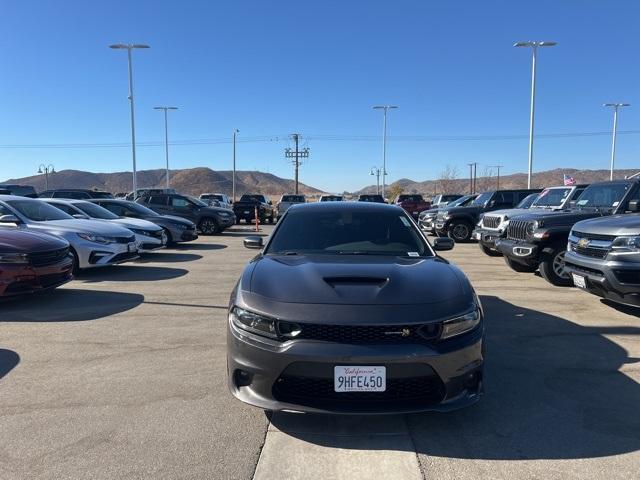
{"points": [[251, 198], [331, 198], [460, 201], [198, 202], [552, 197], [38, 211], [527, 201], [482, 199], [140, 209], [95, 211], [606, 195], [101, 195], [343, 232], [410, 198], [292, 198]]}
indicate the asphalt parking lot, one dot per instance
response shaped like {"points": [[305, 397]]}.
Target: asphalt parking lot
{"points": [[121, 374]]}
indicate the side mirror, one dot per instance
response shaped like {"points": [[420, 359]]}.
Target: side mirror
{"points": [[9, 219], [573, 203], [253, 242], [634, 206], [80, 216], [443, 243]]}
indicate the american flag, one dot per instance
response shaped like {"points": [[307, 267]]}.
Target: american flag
{"points": [[569, 180]]}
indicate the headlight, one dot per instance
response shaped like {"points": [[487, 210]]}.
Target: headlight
{"points": [[254, 323], [459, 325], [90, 237], [532, 227], [264, 326], [444, 214], [14, 258], [626, 244], [141, 232]]}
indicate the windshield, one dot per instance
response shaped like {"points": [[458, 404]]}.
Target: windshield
{"points": [[251, 198], [552, 197], [527, 201], [331, 198], [95, 211], [198, 202], [141, 209], [293, 198], [348, 232], [482, 199], [606, 195], [38, 211], [101, 195], [459, 202], [410, 198]]}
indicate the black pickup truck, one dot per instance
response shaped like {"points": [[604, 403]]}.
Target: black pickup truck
{"points": [[245, 208], [538, 240], [458, 222]]}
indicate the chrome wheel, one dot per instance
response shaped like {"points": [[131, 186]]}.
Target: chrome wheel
{"points": [[208, 226], [460, 232]]}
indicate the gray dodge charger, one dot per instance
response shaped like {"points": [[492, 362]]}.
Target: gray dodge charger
{"points": [[348, 309]]}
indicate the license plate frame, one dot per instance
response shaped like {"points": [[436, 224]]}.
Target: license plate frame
{"points": [[359, 378], [579, 280]]}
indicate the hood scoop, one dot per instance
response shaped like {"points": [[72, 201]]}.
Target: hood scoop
{"points": [[346, 280]]}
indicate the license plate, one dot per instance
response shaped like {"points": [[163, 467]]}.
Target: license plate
{"points": [[247, 211], [579, 281], [132, 247], [359, 379]]}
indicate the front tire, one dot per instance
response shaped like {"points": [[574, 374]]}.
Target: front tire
{"points": [[552, 267], [460, 231], [208, 226], [76, 263], [519, 267], [170, 241]]}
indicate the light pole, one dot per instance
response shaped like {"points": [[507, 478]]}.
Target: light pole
{"points": [[166, 136], [534, 48], [128, 47], [384, 142], [376, 171], [615, 107], [233, 177], [46, 169]]}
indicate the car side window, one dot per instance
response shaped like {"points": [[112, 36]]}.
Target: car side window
{"points": [[114, 208], [180, 202], [5, 211], [157, 200], [66, 209]]}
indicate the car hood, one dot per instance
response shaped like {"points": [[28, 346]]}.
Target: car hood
{"points": [[136, 223], [14, 240], [557, 218], [354, 280], [628, 224], [461, 210], [171, 219], [82, 226]]}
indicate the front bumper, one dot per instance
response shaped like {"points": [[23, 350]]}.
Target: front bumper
{"points": [[441, 226], [184, 235], [486, 237], [518, 251], [298, 375], [427, 224], [26, 279], [612, 279], [147, 243], [92, 255], [227, 221]]}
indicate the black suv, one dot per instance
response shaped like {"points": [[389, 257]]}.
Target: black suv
{"points": [[458, 222], [209, 220], [75, 193], [538, 240]]}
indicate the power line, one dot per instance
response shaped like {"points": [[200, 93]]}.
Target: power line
{"points": [[286, 138]]}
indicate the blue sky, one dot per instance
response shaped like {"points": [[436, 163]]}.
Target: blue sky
{"points": [[317, 67]]}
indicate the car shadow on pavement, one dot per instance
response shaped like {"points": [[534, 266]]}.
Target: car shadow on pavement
{"points": [[199, 246], [247, 233], [626, 309], [68, 305], [130, 273], [553, 390], [168, 257], [8, 361]]}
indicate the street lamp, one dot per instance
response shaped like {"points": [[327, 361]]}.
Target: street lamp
{"points": [[384, 142], [615, 107], [166, 136], [128, 48], [376, 171], [233, 177], [534, 48], [46, 169]]}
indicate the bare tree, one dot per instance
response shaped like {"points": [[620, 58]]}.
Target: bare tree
{"points": [[394, 190], [448, 181]]}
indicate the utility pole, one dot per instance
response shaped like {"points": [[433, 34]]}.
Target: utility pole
{"points": [[470, 178], [376, 171], [233, 178], [498, 167], [166, 139], [615, 106], [296, 154]]}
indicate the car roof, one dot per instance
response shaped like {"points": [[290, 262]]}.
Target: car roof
{"points": [[345, 206]]}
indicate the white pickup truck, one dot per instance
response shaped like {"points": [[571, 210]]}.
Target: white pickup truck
{"points": [[287, 200]]}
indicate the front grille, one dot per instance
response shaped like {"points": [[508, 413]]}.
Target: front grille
{"points": [[375, 334], [593, 236], [591, 252], [490, 221], [55, 279], [319, 392], [580, 268], [42, 259], [518, 229]]}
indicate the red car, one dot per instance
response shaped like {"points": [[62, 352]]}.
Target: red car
{"points": [[413, 203], [32, 262]]}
